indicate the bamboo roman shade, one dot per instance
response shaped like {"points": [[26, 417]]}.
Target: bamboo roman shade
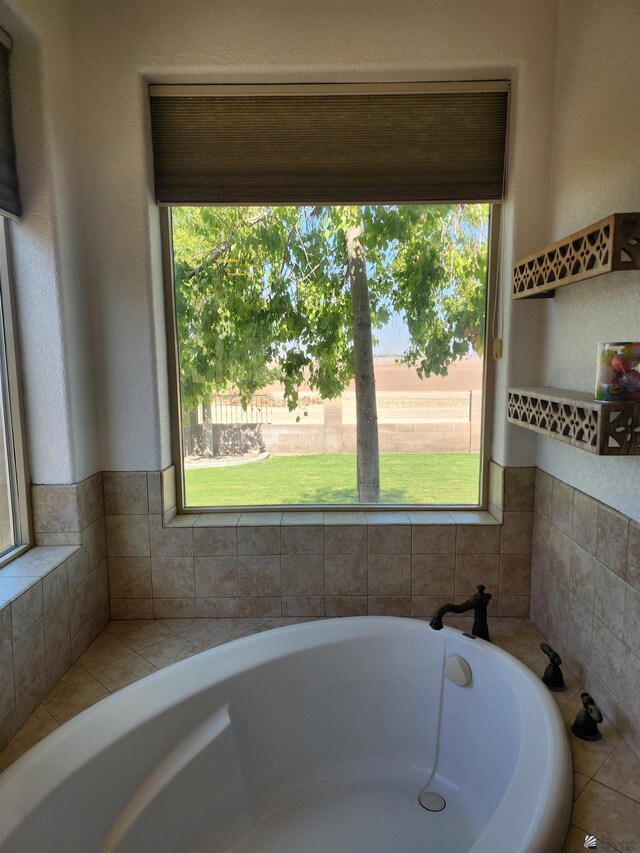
{"points": [[329, 144], [9, 195]]}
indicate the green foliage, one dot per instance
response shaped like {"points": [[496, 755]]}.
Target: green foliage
{"points": [[263, 294]]}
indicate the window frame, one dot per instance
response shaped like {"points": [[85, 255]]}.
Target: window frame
{"points": [[15, 421], [495, 214]]}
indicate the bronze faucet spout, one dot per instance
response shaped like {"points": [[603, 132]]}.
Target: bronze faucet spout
{"points": [[478, 604]]}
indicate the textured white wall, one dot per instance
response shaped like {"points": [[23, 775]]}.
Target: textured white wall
{"points": [[89, 263], [121, 45], [51, 293], [596, 171]]}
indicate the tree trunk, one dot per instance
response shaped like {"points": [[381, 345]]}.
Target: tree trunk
{"points": [[366, 408]]}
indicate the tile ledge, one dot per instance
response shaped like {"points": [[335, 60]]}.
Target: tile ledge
{"points": [[388, 517], [35, 564]]}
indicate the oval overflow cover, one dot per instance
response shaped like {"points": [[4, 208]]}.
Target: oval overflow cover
{"points": [[458, 671]]}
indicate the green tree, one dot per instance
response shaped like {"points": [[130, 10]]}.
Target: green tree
{"points": [[295, 294]]}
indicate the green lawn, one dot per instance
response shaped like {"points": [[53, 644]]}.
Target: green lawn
{"points": [[434, 478]]}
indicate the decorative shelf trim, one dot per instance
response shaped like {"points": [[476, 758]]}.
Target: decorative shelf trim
{"points": [[607, 246], [607, 429]]}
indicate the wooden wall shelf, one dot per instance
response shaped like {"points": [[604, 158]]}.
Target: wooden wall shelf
{"points": [[607, 246], [607, 429]]}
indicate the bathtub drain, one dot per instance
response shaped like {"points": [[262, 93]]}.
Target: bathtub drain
{"points": [[431, 801]]}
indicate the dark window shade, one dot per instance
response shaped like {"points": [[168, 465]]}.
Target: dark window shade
{"points": [[403, 147], [9, 195]]}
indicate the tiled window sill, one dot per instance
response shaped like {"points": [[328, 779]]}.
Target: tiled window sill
{"points": [[29, 568], [346, 517]]}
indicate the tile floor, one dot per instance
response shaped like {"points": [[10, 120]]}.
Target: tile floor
{"points": [[606, 773]]}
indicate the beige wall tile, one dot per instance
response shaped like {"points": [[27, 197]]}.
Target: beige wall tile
{"points": [[260, 606], [80, 610], [513, 605], [216, 577], [127, 535], [131, 608], [583, 571], [169, 541], [496, 485], [216, 607], [562, 507], [345, 605], [389, 539], [28, 658], [433, 539], [580, 627], [91, 500], [633, 555], [474, 539], [7, 690], [259, 576], [215, 541], [55, 585], [389, 605], [173, 577], [606, 656], [78, 566], [558, 606], [302, 575], [629, 730], [559, 554], [424, 606], [56, 668], [259, 540], [540, 539], [46, 539], [345, 575], [516, 533], [631, 623], [174, 608], [515, 575], [433, 575], [474, 569], [389, 574], [519, 486], [26, 610], [95, 542], [584, 526], [130, 577], [154, 492], [6, 637], [543, 494], [56, 508], [57, 631], [302, 539], [303, 605], [345, 539], [613, 530], [609, 592], [607, 702], [168, 488]]}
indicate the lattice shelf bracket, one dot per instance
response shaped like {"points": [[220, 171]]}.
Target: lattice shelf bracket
{"points": [[608, 246], [607, 429]]}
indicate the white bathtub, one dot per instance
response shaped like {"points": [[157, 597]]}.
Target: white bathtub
{"points": [[314, 738]]}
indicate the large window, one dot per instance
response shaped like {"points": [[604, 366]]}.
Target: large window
{"points": [[329, 354], [14, 514]]}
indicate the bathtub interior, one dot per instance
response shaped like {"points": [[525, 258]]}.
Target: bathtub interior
{"points": [[307, 736]]}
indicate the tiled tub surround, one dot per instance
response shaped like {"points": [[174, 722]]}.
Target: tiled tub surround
{"points": [[585, 590], [606, 774], [297, 564], [54, 599]]}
